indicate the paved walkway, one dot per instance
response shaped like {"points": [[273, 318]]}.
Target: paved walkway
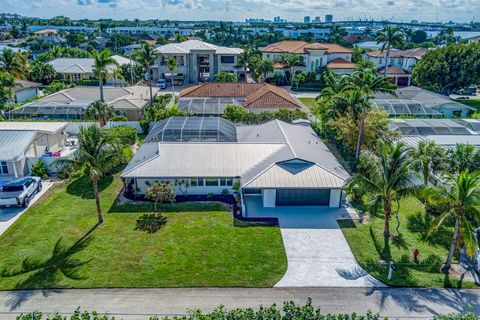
{"points": [[394, 303], [318, 253], [8, 216]]}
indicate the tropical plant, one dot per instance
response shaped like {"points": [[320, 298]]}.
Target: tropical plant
{"points": [[245, 57], [225, 76], [116, 74], [390, 37], [364, 64], [386, 177], [39, 170], [99, 110], [461, 193], [146, 56], [368, 84], [299, 78], [103, 63], [41, 72], [54, 86], [150, 222], [264, 67], [172, 64], [463, 157], [160, 192], [291, 60], [336, 33], [427, 157], [333, 85], [12, 63], [98, 154], [7, 83]]}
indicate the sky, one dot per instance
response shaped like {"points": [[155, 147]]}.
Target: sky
{"points": [[238, 10]]}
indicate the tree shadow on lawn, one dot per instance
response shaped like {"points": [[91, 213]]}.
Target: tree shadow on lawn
{"points": [[419, 223], [44, 274], [82, 186]]}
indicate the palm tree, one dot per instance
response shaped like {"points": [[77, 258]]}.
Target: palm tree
{"points": [[244, 58], [463, 201], [97, 155], [7, 83], [100, 110], [171, 66], [116, 75], [427, 157], [291, 60], [101, 68], [387, 178], [368, 84], [463, 157], [333, 85], [11, 63], [390, 37], [146, 56], [336, 33], [364, 64], [265, 66]]}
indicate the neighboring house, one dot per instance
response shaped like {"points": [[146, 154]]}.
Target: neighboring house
{"points": [[198, 61], [282, 164], [160, 31], [77, 69], [314, 56], [209, 99], [24, 143], [45, 33], [415, 101], [25, 90], [403, 59], [70, 104]]}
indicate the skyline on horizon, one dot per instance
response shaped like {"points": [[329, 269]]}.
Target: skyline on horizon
{"points": [[227, 10]]}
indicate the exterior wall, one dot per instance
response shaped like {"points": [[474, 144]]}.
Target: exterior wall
{"points": [[404, 63], [132, 115], [452, 111], [269, 197], [52, 142], [26, 94], [144, 184], [335, 198]]}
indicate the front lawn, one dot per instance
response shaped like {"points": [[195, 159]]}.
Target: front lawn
{"points": [[368, 246], [472, 102], [311, 103], [198, 246]]}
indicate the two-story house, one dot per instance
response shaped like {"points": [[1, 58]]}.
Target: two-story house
{"points": [[197, 61], [314, 56]]}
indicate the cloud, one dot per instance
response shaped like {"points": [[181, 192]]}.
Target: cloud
{"points": [[84, 2]]}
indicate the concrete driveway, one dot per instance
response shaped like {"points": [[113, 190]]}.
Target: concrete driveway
{"points": [[318, 253], [8, 216]]}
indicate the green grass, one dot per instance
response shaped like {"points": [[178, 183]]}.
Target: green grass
{"points": [[198, 246], [368, 246], [309, 102], [472, 102]]}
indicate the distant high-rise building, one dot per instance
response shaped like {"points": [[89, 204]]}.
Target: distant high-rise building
{"points": [[328, 18], [317, 19], [306, 19]]}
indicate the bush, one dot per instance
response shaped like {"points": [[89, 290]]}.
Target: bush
{"points": [[39, 169], [150, 222], [241, 115], [127, 135], [119, 118], [160, 192]]}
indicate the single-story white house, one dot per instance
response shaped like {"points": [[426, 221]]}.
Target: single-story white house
{"points": [[283, 164], [24, 143], [25, 90]]}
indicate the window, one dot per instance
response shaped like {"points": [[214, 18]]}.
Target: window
{"points": [[3, 168], [226, 182], [196, 182], [211, 182], [227, 59]]}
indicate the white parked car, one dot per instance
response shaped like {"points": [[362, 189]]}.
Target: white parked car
{"points": [[20, 192]]}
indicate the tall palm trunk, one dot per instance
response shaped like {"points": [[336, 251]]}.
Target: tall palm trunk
{"points": [[97, 196], [387, 57], [426, 174], [100, 83], [451, 251], [150, 86], [387, 208], [173, 88], [362, 124]]}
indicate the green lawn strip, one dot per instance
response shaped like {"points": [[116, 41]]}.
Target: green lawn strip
{"points": [[309, 102], [473, 102], [367, 244], [194, 248]]}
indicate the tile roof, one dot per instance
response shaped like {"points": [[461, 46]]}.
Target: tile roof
{"points": [[257, 95], [416, 53], [393, 71], [340, 63], [302, 47]]}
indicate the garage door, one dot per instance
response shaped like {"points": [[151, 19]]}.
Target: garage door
{"points": [[303, 197]]}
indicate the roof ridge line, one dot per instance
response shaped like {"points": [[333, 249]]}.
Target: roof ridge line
{"points": [[145, 162], [286, 138]]}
